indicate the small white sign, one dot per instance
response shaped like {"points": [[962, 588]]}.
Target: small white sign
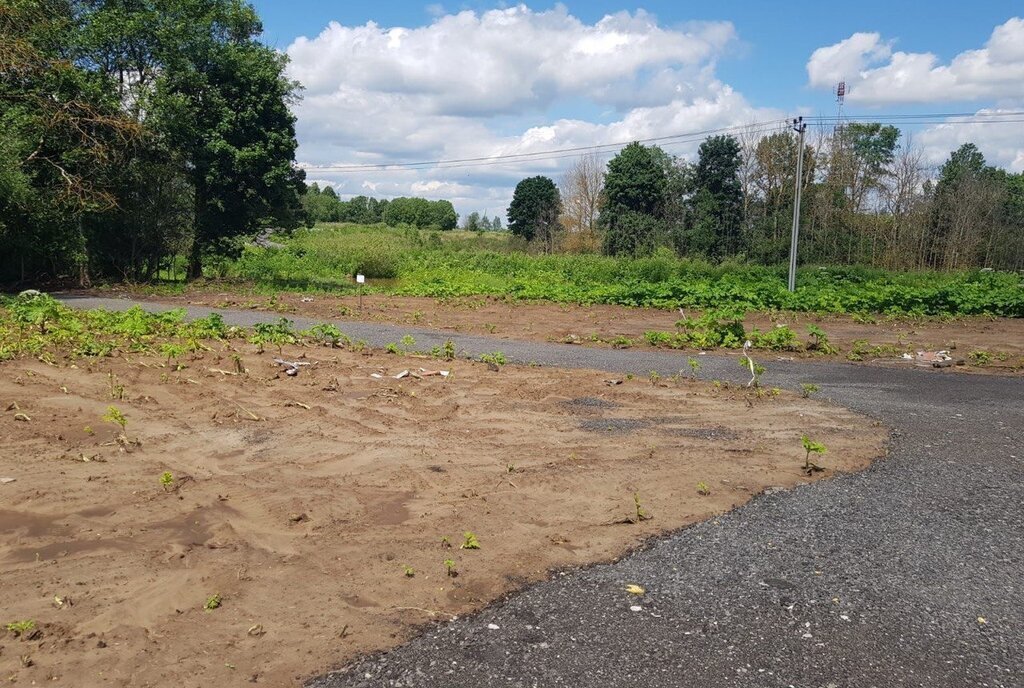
{"points": [[360, 279]]}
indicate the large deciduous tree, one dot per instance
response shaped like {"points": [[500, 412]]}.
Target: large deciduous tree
{"points": [[718, 198], [633, 200], [533, 213]]}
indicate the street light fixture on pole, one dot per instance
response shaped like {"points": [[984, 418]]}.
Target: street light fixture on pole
{"points": [[800, 127]]}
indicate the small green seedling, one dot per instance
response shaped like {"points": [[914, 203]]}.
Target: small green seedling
{"points": [[820, 342], [469, 541], [392, 348], [654, 377], [167, 480], [212, 602], [239, 366], [409, 571], [494, 359], [88, 430], [807, 389], [114, 415], [694, 366], [448, 350], [703, 490], [641, 513], [20, 628], [449, 566], [812, 447], [172, 352], [408, 342]]}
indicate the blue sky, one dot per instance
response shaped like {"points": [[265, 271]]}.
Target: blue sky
{"points": [[451, 88]]}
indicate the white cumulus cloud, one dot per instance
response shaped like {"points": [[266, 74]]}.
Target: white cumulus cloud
{"points": [[876, 75], [500, 82]]}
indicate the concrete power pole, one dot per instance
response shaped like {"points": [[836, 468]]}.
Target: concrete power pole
{"points": [[800, 127]]}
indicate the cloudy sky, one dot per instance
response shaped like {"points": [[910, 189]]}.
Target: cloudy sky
{"points": [[401, 82]]}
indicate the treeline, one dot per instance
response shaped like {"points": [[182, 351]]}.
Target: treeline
{"points": [[867, 198], [323, 205], [136, 131]]}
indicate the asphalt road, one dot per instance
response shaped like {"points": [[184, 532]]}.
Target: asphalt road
{"points": [[910, 573]]}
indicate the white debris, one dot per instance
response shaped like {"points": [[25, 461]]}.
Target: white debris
{"points": [[493, 627], [636, 608]]}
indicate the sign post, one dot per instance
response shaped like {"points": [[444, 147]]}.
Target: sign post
{"points": [[360, 280]]}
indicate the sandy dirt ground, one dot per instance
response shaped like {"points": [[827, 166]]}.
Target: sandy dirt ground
{"points": [[879, 342], [317, 507]]}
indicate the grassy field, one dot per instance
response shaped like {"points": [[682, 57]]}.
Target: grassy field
{"points": [[450, 264]]}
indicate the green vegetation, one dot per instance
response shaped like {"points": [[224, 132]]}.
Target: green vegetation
{"points": [[167, 480], [99, 333], [703, 490], [807, 389], [212, 602], [137, 136], [469, 541], [409, 571], [640, 514], [496, 358], [20, 628], [421, 264], [449, 567], [812, 447], [114, 415]]}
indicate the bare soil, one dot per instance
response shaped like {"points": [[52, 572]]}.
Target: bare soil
{"points": [[881, 341], [301, 501]]}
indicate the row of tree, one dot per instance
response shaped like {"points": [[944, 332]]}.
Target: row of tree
{"points": [[867, 198], [323, 205], [132, 131]]}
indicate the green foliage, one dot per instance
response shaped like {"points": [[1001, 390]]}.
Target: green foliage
{"points": [[469, 541], [166, 480], [980, 357], [533, 213], [20, 628], [172, 350], [408, 342], [392, 348], [212, 602], [449, 567], [496, 358], [495, 265], [276, 333], [328, 335], [420, 213], [408, 570], [811, 447], [819, 342], [694, 366], [779, 338], [633, 199], [703, 489], [114, 415], [718, 200], [807, 389]]}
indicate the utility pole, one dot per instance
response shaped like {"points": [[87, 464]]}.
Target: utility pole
{"points": [[800, 127]]}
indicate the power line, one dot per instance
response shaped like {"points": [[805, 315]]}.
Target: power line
{"points": [[754, 128], [525, 157]]}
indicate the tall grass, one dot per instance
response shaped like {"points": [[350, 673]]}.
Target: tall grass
{"points": [[448, 264]]}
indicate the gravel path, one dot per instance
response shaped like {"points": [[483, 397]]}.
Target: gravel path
{"points": [[910, 573]]}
